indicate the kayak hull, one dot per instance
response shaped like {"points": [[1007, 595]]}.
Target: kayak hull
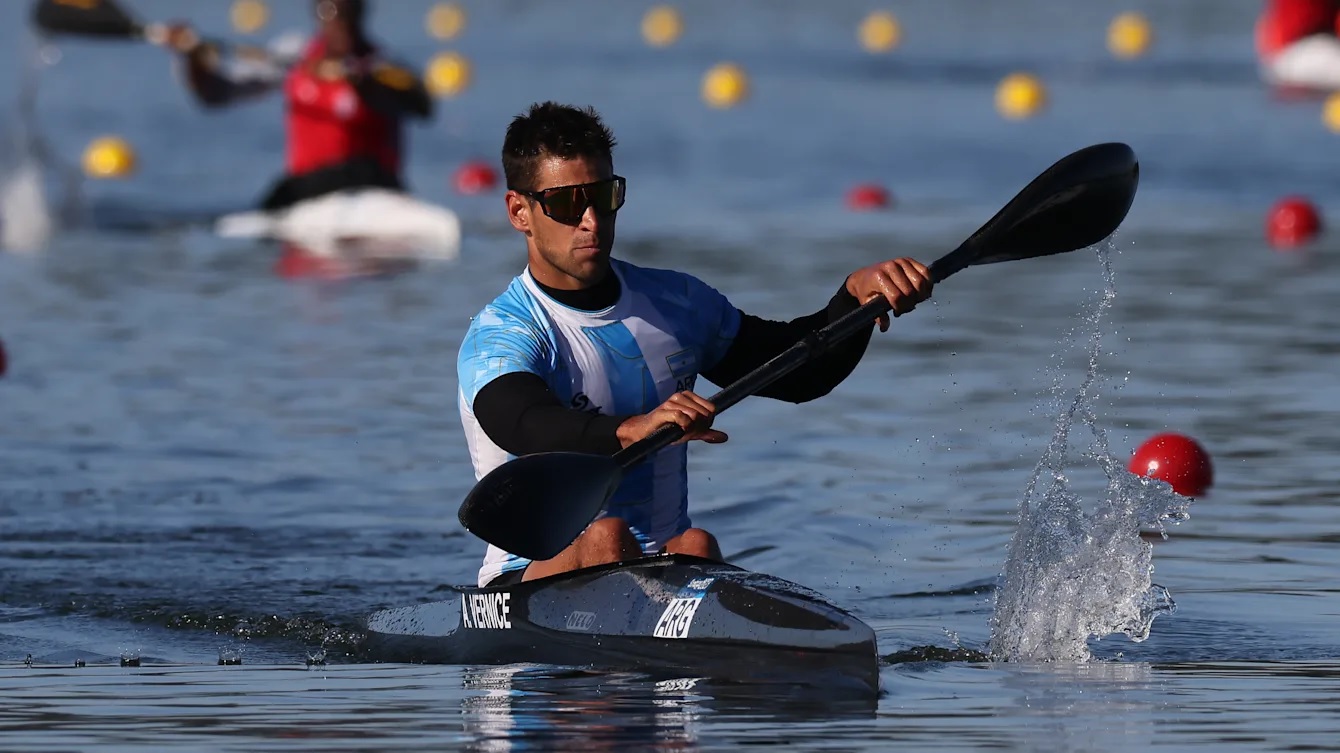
{"points": [[368, 222], [669, 615]]}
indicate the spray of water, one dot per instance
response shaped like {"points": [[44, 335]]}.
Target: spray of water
{"points": [[1071, 574], [25, 219]]}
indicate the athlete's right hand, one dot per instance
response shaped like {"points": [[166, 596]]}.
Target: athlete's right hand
{"points": [[692, 413]]}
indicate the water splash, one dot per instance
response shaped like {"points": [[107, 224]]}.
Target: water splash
{"points": [[1073, 575], [25, 220]]}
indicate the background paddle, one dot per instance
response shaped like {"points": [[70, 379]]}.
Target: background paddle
{"points": [[388, 87], [536, 505], [87, 18]]}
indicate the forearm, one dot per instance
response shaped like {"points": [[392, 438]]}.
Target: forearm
{"points": [[211, 87], [520, 414], [760, 340]]}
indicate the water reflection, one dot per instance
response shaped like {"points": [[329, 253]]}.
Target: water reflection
{"points": [[533, 708]]}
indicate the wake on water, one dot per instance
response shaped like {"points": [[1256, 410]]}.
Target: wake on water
{"points": [[1073, 575]]}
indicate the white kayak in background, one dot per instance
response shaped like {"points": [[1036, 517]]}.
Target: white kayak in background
{"points": [[1309, 63], [375, 221]]}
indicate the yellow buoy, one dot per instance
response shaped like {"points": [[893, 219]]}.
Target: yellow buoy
{"points": [[725, 85], [445, 20], [879, 32], [1020, 95], [1330, 113], [661, 26], [448, 75], [249, 16], [109, 157], [1129, 35]]}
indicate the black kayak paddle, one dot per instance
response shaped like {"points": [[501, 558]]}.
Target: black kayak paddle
{"points": [[535, 506]]}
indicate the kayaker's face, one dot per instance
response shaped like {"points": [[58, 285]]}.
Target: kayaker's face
{"points": [[568, 253], [337, 24]]}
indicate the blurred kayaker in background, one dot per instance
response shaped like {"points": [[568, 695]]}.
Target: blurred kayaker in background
{"points": [[1297, 44], [346, 102]]}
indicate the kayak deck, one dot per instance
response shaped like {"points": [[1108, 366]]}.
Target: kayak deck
{"points": [[669, 615]]}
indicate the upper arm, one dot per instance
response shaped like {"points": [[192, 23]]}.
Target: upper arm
{"points": [[718, 321], [498, 344]]}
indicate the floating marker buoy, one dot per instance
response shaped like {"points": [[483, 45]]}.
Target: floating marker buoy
{"points": [[867, 197], [1292, 222], [1020, 95], [109, 157], [725, 85], [476, 177], [1177, 459], [661, 26], [1330, 112], [879, 32], [249, 16], [445, 21], [1129, 36], [448, 75]]}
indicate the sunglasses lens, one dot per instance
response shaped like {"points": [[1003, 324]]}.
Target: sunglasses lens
{"points": [[566, 203], [569, 203], [607, 197]]}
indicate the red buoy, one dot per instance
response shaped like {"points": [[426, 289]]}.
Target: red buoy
{"points": [[1292, 222], [476, 177], [1177, 459], [867, 197]]}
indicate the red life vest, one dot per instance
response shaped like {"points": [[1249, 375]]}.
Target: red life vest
{"points": [[328, 123], [1284, 22]]}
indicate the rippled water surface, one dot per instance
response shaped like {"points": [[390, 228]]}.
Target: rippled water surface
{"points": [[200, 459]]}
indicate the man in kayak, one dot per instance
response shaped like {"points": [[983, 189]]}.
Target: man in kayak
{"points": [[585, 353], [1297, 44], [346, 103]]}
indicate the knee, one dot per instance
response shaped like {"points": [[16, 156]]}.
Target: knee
{"points": [[609, 540], [699, 543]]}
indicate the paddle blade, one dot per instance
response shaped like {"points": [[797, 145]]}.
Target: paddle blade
{"points": [[89, 18], [1076, 203], [536, 505]]}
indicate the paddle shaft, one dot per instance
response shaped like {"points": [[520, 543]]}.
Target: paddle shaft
{"points": [[812, 346]]}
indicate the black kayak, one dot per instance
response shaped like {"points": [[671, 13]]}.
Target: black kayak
{"points": [[668, 615]]}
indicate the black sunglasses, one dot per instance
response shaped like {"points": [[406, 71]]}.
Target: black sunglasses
{"points": [[568, 203]]}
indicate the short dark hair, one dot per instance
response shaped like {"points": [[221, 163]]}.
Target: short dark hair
{"points": [[550, 129]]}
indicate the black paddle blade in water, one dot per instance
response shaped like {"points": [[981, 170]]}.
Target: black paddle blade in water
{"points": [[89, 18], [537, 505], [528, 506]]}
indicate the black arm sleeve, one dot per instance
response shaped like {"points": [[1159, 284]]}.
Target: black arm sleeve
{"points": [[522, 415], [759, 340]]}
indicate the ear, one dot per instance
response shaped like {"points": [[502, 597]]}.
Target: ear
{"points": [[518, 211]]}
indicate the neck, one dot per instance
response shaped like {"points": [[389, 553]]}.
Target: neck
{"points": [[595, 297]]}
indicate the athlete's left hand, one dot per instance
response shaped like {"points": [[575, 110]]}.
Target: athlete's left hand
{"points": [[905, 282]]}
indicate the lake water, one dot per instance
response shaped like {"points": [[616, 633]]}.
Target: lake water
{"points": [[200, 459]]}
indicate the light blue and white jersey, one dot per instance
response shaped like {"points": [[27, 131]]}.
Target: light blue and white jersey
{"points": [[627, 359]]}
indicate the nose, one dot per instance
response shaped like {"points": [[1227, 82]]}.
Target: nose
{"points": [[591, 220]]}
